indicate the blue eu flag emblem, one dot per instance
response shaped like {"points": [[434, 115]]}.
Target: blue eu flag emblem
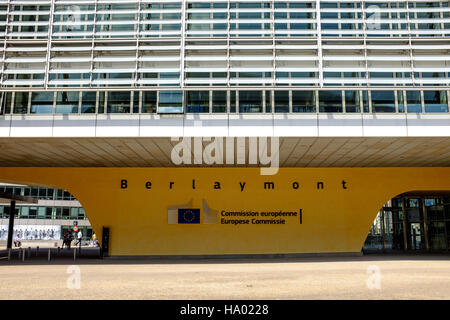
{"points": [[188, 215]]}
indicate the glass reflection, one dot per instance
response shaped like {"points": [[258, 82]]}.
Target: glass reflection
{"points": [[250, 101], [303, 101], [435, 101], [170, 102], [330, 101], [383, 101]]}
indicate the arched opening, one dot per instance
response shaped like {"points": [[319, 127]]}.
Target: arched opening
{"points": [[415, 221], [43, 223]]}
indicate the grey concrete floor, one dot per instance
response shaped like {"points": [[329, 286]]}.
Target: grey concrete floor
{"points": [[367, 277]]}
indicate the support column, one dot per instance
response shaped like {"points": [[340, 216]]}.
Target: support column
{"points": [[405, 236], [12, 213], [445, 224], [383, 231], [425, 224]]}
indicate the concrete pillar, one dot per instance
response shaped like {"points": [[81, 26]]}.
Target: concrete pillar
{"points": [[383, 231], [405, 235], [12, 213], [445, 225]]}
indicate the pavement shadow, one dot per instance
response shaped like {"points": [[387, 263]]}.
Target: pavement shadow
{"points": [[91, 256]]}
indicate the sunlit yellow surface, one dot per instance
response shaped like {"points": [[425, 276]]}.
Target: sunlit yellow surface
{"points": [[334, 219]]}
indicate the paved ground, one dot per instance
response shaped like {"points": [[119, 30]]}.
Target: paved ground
{"points": [[39, 243], [400, 277]]}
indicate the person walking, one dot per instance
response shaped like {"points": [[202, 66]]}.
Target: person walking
{"points": [[79, 237], [94, 240], [69, 239], [64, 240]]}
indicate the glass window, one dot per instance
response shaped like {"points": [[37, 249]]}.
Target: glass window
{"points": [[48, 213], [65, 213], [330, 101], [43, 193], [119, 102], [74, 213], [21, 102], [34, 192], [282, 101], [170, 102], [136, 102], [58, 213], [67, 102], [17, 191], [41, 213], [232, 101], [250, 101], [197, 101], [7, 98], [435, 101], [219, 101], [303, 101], [101, 101], [149, 102], [414, 101], [67, 195], [400, 102], [41, 102], [24, 211], [81, 214], [383, 101], [32, 214], [268, 101], [352, 101], [88, 100], [365, 101]]}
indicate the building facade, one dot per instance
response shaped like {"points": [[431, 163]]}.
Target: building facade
{"points": [[69, 57], [325, 85]]}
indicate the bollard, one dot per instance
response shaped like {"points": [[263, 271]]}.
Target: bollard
{"points": [[23, 254], [18, 253], [29, 252], [37, 250], [57, 252], [9, 254], [74, 254], [48, 254]]}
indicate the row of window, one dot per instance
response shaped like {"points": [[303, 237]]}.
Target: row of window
{"points": [[223, 101], [164, 19], [437, 208], [38, 192], [38, 212], [236, 62]]}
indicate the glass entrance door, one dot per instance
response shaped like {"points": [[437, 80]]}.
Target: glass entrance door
{"points": [[416, 239], [437, 236]]}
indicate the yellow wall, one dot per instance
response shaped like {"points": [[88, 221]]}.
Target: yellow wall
{"points": [[333, 219]]}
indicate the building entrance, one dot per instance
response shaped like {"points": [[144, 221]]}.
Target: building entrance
{"points": [[413, 222]]}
